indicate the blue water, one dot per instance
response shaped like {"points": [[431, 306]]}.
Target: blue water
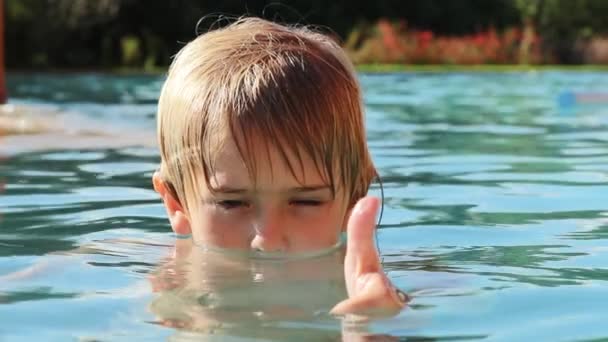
{"points": [[495, 217]]}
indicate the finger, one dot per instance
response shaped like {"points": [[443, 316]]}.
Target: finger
{"points": [[377, 298], [353, 306], [361, 254]]}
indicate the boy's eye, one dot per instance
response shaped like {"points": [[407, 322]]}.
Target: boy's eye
{"points": [[233, 204], [306, 202]]}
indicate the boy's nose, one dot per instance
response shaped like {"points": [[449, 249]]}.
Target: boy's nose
{"points": [[269, 235]]}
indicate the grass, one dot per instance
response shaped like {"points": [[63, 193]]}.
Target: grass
{"points": [[368, 68], [390, 68]]}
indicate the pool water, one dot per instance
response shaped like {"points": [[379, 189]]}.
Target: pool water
{"points": [[495, 219]]}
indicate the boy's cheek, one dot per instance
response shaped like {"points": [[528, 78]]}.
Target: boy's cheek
{"points": [[309, 233], [221, 234], [315, 235]]}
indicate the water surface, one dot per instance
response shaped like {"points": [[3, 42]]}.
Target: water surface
{"points": [[495, 217]]}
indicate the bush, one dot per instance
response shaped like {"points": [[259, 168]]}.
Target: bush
{"points": [[393, 42]]}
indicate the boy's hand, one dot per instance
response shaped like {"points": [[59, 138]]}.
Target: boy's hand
{"points": [[370, 292]]}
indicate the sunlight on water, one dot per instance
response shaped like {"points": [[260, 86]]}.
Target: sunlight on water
{"points": [[495, 220]]}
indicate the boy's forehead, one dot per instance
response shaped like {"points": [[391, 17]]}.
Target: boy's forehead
{"points": [[269, 167]]}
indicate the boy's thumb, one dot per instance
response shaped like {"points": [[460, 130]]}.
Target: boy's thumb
{"points": [[360, 247]]}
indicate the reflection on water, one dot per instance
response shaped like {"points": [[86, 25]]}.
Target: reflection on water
{"points": [[495, 221], [211, 293]]}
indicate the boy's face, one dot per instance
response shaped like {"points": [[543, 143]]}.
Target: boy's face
{"points": [[276, 212]]}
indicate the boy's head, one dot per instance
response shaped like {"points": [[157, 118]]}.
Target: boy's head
{"points": [[258, 121]]}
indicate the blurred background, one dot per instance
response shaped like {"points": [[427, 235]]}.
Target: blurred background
{"points": [[140, 34]]}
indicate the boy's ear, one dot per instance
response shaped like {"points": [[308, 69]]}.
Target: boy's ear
{"points": [[177, 217]]}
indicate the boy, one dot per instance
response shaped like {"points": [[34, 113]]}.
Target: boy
{"points": [[263, 149]]}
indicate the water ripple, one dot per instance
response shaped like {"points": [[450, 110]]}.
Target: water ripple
{"points": [[495, 211]]}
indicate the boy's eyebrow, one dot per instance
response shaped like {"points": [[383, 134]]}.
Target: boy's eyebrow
{"points": [[309, 188], [229, 190]]}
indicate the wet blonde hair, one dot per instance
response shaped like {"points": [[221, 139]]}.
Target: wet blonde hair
{"points": [[291, 86]]}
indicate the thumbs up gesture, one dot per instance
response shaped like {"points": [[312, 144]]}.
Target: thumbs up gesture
{"points": [[370, 292]]}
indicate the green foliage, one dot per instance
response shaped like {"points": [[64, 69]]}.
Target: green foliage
{"points": [[566, 24], [85, 33], [20, 9], [527, 8], [131, 50]]}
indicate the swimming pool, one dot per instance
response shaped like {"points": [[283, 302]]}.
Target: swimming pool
{"points": [[495, 215]]}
